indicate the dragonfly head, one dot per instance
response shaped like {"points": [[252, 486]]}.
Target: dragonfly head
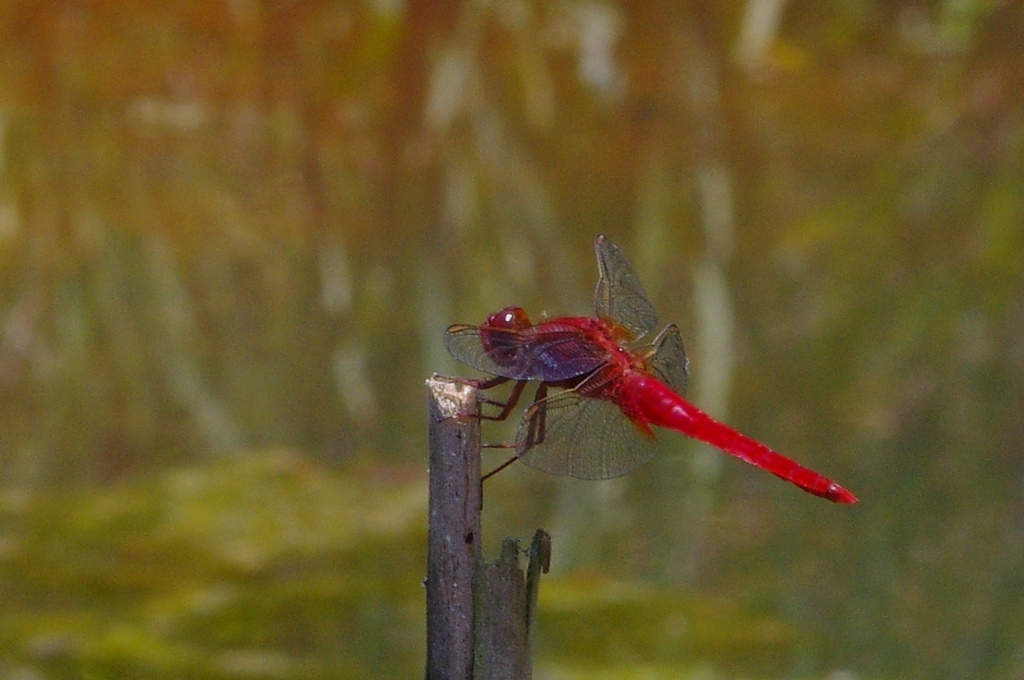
{"points": [[512, 318]]}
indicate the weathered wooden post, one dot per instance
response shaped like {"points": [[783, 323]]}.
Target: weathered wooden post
{"points": [[479, 616]]}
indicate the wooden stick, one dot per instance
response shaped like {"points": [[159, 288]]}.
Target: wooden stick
{"points": [[502, 652], [540, 562], [507, 608], [453, 540]]}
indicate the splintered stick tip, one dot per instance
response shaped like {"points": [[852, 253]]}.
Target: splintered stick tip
{"points": [[454, 399]]}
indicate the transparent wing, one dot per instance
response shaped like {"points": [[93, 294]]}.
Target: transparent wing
{"points": [[620, 296], [667, 359], [582, 437], [550, 353]]}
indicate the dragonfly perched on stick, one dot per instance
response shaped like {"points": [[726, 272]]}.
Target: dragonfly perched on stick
{"points": [[612, 389]]}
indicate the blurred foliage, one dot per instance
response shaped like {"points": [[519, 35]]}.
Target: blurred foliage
{"points": [[227, 227], [269, 566], [640, 621]]}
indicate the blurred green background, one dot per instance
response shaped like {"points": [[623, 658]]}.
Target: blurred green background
{"points": [[233, 233]]}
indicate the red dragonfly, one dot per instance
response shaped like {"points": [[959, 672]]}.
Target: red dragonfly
{"points": [[612, 391]]}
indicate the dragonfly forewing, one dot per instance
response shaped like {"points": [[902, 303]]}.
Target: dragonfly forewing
{"points": [[620, 296], [552, 355]]}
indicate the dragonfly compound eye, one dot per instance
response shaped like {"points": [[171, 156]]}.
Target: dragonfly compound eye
{"points": [[510, 317]]}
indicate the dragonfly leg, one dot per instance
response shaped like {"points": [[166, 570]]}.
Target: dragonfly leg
{"points": [[537, 416], [484, 384], [503, 465], [504, 406], [538, 403]]}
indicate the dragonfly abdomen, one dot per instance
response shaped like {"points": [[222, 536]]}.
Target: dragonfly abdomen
{"points": [[660, 405]]}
